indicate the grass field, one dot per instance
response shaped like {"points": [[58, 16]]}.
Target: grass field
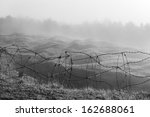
{"points": [[27, 89], [79, 76]]}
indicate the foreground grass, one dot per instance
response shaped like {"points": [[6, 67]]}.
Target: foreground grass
{"points": [[28, 89]]}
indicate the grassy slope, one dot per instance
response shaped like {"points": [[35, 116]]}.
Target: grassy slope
{"points": [[27, 89]]}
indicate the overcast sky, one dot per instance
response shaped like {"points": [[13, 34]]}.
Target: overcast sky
{"points": [[77, 11]]}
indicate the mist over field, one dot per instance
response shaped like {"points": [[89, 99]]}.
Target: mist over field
{"points": [[52, 49], [83, 41], [110, 33]]}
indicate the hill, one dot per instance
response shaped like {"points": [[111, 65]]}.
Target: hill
{"points": [[73, 65]]}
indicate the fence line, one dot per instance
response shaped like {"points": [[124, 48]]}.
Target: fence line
{"points": [[77, 68]]}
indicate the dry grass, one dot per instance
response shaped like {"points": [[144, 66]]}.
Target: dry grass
{"points": [[27, 88]]}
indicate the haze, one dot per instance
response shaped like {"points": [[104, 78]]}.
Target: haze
{"points": [[77, 11], [125, 22]]}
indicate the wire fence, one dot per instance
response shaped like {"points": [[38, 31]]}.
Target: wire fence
{"points": [[118, 70]]}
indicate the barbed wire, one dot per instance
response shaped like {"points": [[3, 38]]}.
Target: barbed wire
{"points": [[77, 69]]}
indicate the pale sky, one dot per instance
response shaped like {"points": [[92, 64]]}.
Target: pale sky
{"points": [[78, 11]]}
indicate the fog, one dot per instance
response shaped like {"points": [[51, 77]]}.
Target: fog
{"points": [[84, 41], [128, 35], [79, 11], [120, 22]]}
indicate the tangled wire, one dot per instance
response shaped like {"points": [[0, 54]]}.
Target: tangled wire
{"points": [[121, 70]]}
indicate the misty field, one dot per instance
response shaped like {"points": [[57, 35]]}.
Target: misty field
{"points": [[72, 50], [57, 69]]}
